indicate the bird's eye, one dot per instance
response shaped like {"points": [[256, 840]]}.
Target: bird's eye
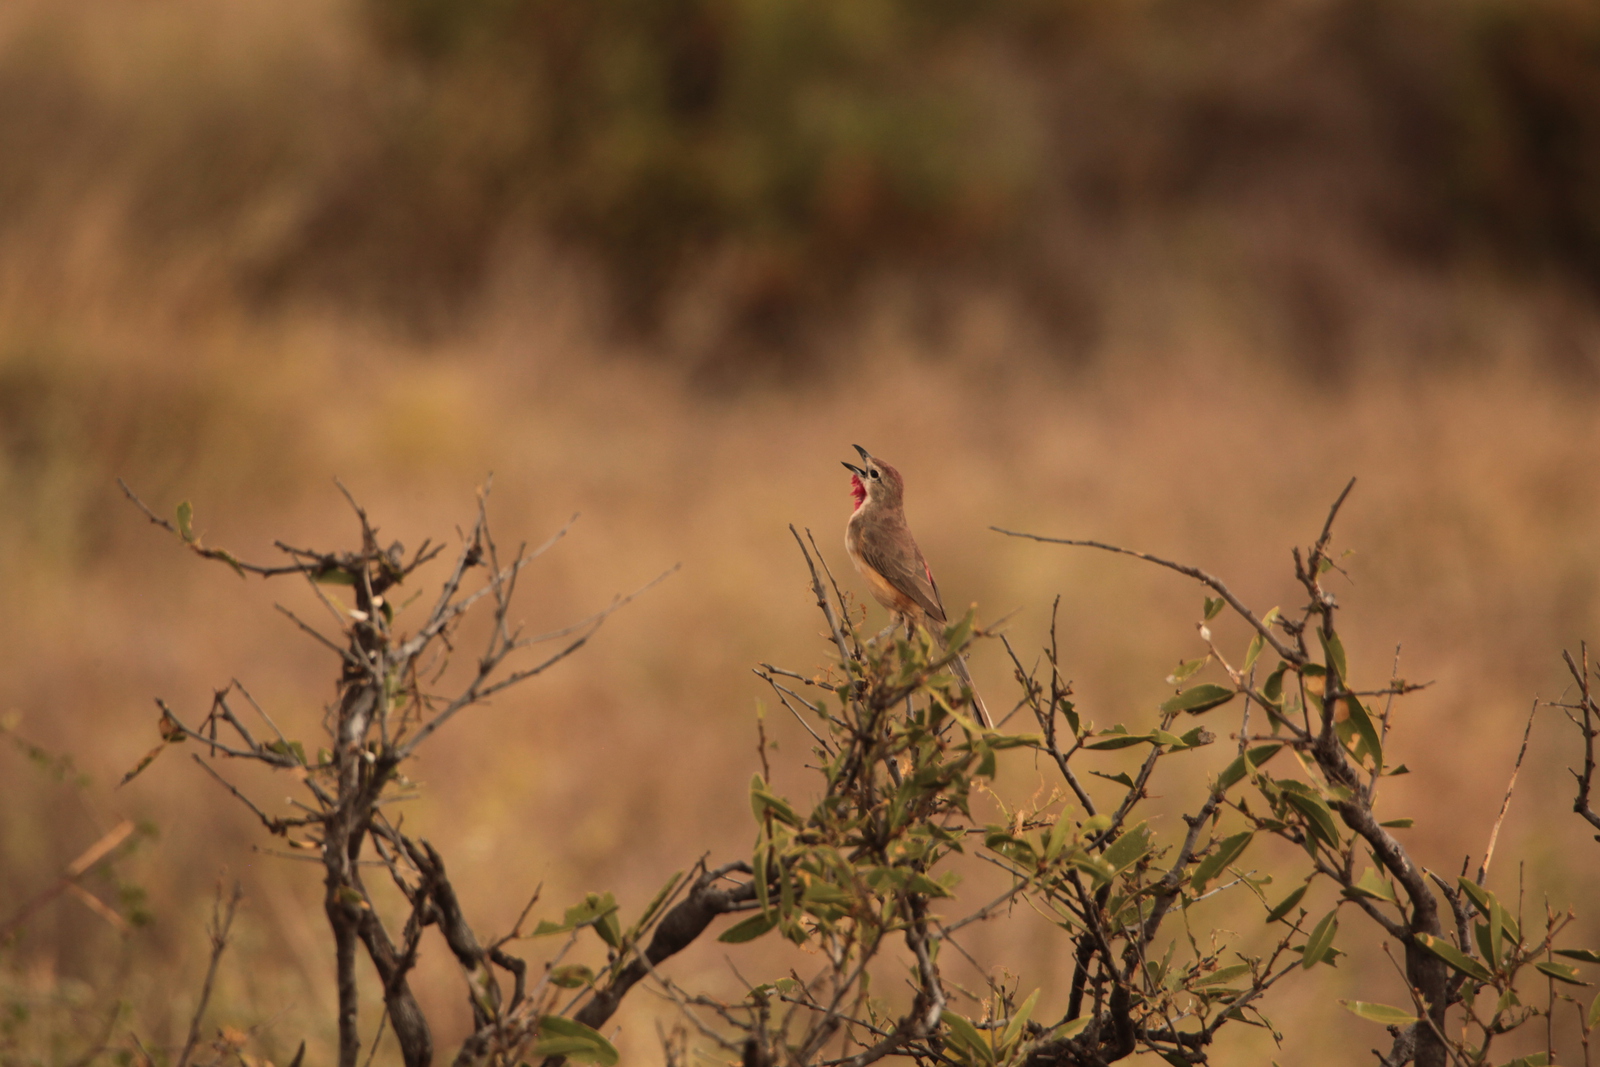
{"points": [[872, 474]]}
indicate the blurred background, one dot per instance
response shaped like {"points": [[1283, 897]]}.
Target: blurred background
{"points": [[1154, 272]]}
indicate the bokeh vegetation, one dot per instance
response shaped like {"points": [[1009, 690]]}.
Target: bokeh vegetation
{"points": [[1161, 274]]}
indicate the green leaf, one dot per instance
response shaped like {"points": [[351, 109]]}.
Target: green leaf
{"points": [[1335, 653], [292, 749], [1561, 972], [609, 929], [957, 633], [1257, 643], [1583, 955], [186, 522], [759, 873], [1480, 934], [570, 1038], [1372, 887], [1093, 866], [1185, 669], [1454, 957], [1224, 974], [655, 904], [998, 839], [1058, 835], [786, 900], [749, 929], [1070, 713], [1213, 606], [1200, 698], [1067, 1029], [1121, 778], [1486, 903], [571, 976], [762, 802], [965, 1036], [820, 892], [595, 908], [1364, 726], [1593, 1018], [1319, 817], [1236, 771], [238, 568], [1321, 940], [1286, 904], [1126, 850], [1380, 1013], [1481, 898], [1225, 853], [1118, 737], [1398, 824], [1272, 691], [1019, 1019]]}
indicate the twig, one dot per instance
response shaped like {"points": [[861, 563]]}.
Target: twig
{"points": [[797, 716], [221, 923], [200, 550], [74, 870], [1585, 780], [1505, 803], [1283, 650], [822, 600]]}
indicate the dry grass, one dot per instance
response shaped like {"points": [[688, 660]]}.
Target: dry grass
{"points": [[1473, 525]]}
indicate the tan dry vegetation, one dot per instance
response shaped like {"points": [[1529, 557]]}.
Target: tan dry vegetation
{"points": [[1473, 525]]}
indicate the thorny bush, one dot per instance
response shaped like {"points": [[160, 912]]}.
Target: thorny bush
{"points": [[866, 873]]}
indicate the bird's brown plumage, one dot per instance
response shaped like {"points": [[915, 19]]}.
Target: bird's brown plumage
{"points": [[887, 557]]}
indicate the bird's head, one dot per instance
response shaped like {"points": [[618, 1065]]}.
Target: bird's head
{"points": [[874, 481]]}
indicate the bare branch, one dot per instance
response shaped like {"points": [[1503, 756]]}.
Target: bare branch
{"points": [[1283, 650], [822, 599], [221, 924], [1580, 804], [200, 550], [1505, 803]]}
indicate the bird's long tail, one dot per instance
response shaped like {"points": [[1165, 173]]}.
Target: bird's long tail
{"points": [[959, 665]]}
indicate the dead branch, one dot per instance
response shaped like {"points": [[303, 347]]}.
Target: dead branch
{"points": [[221, 925]]}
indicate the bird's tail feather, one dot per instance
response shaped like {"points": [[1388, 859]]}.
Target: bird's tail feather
{"points": [[959, 665]]}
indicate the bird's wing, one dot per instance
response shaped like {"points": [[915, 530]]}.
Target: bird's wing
{"points": [[900, 562]]}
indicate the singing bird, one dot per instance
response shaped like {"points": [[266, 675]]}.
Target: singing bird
{"points": [[886, 555]]}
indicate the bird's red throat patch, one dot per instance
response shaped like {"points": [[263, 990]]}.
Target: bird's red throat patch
{"points": [[858, 490]]}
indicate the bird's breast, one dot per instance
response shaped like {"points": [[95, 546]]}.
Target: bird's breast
{"points": [[883, 591]]}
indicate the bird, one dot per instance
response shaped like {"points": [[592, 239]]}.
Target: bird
{"points": [[887, 557]]}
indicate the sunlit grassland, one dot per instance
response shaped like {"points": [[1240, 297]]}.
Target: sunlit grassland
{"points": [[1194, 433], [1471, 526]]}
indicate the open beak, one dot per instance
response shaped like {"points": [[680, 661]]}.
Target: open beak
{"points": [[866, 456], [857, 471]]}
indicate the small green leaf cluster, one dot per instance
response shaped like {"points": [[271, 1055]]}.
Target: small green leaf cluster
{"points": [[874, 859]]}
